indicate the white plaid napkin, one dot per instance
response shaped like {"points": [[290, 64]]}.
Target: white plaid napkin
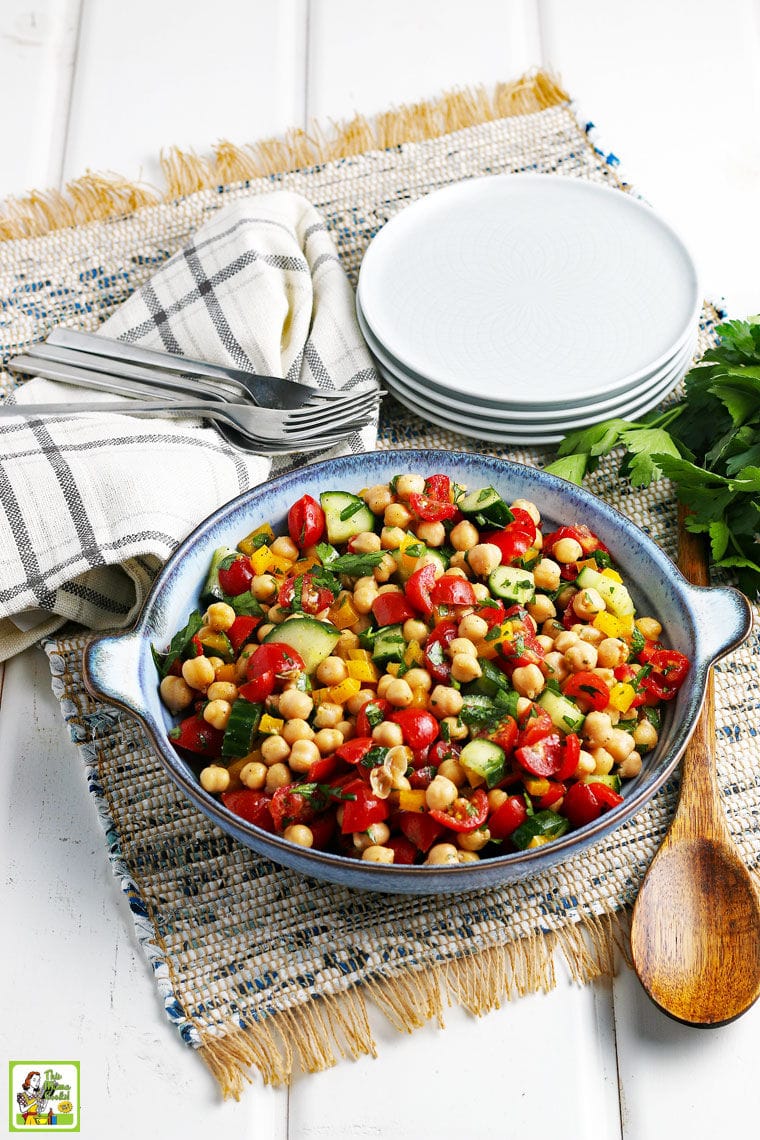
{"points": [[92, 506]]}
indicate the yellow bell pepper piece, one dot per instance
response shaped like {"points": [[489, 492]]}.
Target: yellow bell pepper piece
{"points": [[411, 799], [392, 667], [279, 565], [271, 725], [339, 694], [538, 841], [622, 696], [261, 560], [248, 544], [414, 654], [363, 671], [359, 655], [612, 626], [536, 785], [342, 613], [319, 696], [610, 573], [304, 565], [419, 699]]}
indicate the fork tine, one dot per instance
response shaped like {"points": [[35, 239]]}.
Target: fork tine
{"points": [[311, 417], [338, 432]]}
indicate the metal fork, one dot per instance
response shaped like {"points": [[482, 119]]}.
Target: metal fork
{"points": [[266, 391], [300, 429]]}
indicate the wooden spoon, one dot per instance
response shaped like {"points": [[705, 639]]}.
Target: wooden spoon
{"points": [[695, 933]]}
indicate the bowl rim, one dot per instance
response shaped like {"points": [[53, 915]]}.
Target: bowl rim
{"points": [[572, 843]]}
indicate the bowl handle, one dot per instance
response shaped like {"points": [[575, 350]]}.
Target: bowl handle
{"points": [[724, 618], [112, 669]]}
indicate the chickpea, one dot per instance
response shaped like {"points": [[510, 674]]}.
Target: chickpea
{"points": [[473, 840], [332, 671], [612, 652], [364, 598], [389, 588], [453, 771], [264, 587], [645, 735], [378, 854], [442, 853], [378, 498], [545, 642], [299, 833], [649, 627], [388, 734], [528, 681], [603, 762], [399, 693], [557, 666], [523, 706], [440, 793], [590, 634], [328, 715], [346, 728], [496, 797], [176, 693], [472, 627], [215, 779], [415, 630], [328, 740], [483, 558], [464, 536], [297, 729], [295, 705], [458, 561], [391, 538], [219, 616], [586, 765], [376, 833], [567, 550], [445, 701], [407, 485], [588, 603], [222, 691], [527, 506], [278, 776], [277, 615], [432, 533], [284, 547], [385, 569], [480, 590], [564, 640], [581, 657], [396, 514], [597, 728], [303, 754], [620, 745], [261, 633], [198, 672], [457, 730], [366, 543], [630, 767], [346, 642], [465, 667], [254, 775], [462, 645], [552, 628], [546, 575], [542, 608], [354, 704], [418, 679], [468, 857], [217, 714], [606, 675], [565, 597], [274, 750]]}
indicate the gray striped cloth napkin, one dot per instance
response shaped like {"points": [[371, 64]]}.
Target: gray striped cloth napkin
{"points": [[91, 506]]}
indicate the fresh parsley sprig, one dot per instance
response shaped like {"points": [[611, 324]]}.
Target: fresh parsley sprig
{"points": [[708, 444]]}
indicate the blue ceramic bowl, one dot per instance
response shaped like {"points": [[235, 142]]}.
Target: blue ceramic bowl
{"points": [[702, 623]]}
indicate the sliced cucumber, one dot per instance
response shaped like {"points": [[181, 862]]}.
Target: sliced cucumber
{"points": [[488, 506], [407, 564], [212, 591], [345, 515], [513, 584], [483, 761], [565, 713], [491, 679], [388, 644], [241, 729], [611, 781], [615, 595], [313, 640]]}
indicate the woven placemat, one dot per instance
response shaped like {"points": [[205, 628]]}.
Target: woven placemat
{"points": [[257, 965]]}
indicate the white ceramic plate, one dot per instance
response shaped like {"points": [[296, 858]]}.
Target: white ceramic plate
{"points": [[529, 289], [662, 382]]}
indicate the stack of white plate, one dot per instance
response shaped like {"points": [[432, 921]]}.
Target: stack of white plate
{"points": [[516, 308]]}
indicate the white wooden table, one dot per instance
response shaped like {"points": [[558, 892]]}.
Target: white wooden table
{"points": [[96, 83]]}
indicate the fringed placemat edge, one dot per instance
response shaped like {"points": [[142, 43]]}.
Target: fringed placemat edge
{"points": [[100, 196]]}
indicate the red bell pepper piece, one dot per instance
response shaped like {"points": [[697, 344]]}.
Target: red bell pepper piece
{"points": [[237, 578], [543, 758], [422, 777], [306, 522], [362, 811], [353, 751], [323, 828], [241, 631], [493, 612], [436, 661], [322, 769], [420, 728], [451, 590], [404, 851], [420, 828], [392, 609], [553, 793], [468, 811], [506, 734], [507, 817], [255, 807], [371, 714], [418, 589]]}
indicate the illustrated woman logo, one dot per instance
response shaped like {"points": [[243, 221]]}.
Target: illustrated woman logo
{"points": [[32, 1100]]}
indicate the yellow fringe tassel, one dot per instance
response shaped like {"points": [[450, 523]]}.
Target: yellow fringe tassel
{"points": [[314, 1034], [95, 197]]}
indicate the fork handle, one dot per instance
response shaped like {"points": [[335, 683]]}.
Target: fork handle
{"points": [[209, 410]]}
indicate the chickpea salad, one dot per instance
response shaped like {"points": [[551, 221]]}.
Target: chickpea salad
{"points": [[417, 673]]}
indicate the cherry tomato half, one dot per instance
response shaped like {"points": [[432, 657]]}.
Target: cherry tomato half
{"points": [[313, 599], [451, 590], [306, 522], [391, 609], [508, 817], [252, 806], [438, 487], [585, 538], [364, 809], [237, 578], [588, 690], [668, 671], [512, 541], [436, 661], [241, 631], [420, 728], [534, 724], [196, 735], [468, 811], [418, 589], [431, 510], [371, 715], [543, 757]]}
